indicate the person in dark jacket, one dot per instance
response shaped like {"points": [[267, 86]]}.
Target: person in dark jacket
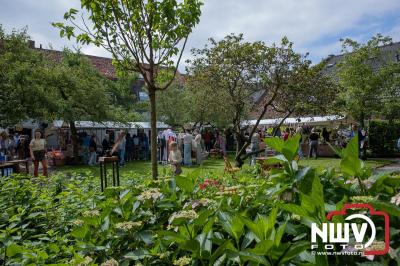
{"points": [[105, 144], [129, 148], [314, 136]]}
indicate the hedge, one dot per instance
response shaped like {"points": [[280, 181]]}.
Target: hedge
{"points": [[383, 138]]}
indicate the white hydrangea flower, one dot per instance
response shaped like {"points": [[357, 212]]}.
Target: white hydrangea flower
{"points": [[182, 261], [127, 226]]}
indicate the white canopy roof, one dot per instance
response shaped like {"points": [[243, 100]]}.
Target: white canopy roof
{"points": [[109, 124], [320, 120]]}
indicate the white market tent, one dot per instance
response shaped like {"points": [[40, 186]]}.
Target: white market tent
{"points": [[100, 128], [309, 120], [109, 125]]}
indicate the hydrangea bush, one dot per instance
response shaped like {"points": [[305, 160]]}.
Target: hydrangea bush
{"points": [[198, 219]]}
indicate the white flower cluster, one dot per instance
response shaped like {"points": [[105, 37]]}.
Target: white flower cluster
{"points": [[187, 215], [153, 193], [78, 222], [87, 261], [110, 262], [182, 261], [362, 199], [396, 199], [91, 213], [164, 255], [203, 202], [127, 226]]}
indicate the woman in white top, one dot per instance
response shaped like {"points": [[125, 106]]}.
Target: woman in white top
{"points": [[197, 142], [37, 149], [175, 158]]}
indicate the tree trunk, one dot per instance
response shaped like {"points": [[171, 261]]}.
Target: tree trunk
{"points": [[153, 137], [74, 138], [281, 123]]}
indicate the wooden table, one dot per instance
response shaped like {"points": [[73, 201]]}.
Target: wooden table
{"points": [[114, 163], [14, 165]]}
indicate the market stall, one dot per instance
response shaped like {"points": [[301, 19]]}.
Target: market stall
{"points": [[333, 122]]}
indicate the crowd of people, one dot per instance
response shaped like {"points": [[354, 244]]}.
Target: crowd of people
{"points": [[14, 146], [176, 148], [129, 147], [314, 136]]}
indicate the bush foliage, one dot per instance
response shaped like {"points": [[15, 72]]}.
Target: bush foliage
{"points": [[254, 218], [383, 136]]}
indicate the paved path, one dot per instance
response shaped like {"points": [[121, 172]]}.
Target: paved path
{"points": [[393, 167]]}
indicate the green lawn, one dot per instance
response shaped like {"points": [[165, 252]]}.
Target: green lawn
{"points": [[324, 163], [211, 165]]}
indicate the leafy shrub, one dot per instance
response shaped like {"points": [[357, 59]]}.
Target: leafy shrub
{"points": [[198, 219], [383, 138]]}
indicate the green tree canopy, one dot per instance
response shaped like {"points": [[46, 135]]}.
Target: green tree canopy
{"points": [[142, 35], [231, 72], [22, 92], [369, 80]]}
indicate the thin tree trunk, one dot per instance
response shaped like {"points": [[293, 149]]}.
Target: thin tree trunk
{"points": [[74, 138], [153, 137], [239, 160], [281, 123]]}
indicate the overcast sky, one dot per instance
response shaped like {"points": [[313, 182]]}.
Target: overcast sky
{"points": [[315, 26]]}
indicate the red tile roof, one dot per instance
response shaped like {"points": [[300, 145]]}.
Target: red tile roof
{"points": [[103, 64]]}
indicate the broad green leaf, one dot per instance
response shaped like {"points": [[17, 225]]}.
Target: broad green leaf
{"points": [[275, 143], [190, 245], [248, 256], [138, 254], [290, 147], [185, 183], [262, 248], [294, 250], [14, 249]]}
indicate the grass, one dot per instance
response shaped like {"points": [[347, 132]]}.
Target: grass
{"points": [[324, 163], [215, 166]]}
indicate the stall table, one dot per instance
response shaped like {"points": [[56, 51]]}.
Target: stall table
{"points": [[15, 166]]}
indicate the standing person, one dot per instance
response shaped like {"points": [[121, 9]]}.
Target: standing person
{"points": [[17, 140], [197, 142], [121, 148], [37, 148], [222, 143], [85, 145], [286, 134], [357, 132], [145, 146], [129, 148], [207, 140], [175, 158], [299, 131], [187, 148], [313, 143], [3, 140], [135, 142], [106, 144], [325, 134], [255, 146], [92, 151]]}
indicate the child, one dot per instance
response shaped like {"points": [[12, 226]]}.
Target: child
{"points": [[175, 158]]}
